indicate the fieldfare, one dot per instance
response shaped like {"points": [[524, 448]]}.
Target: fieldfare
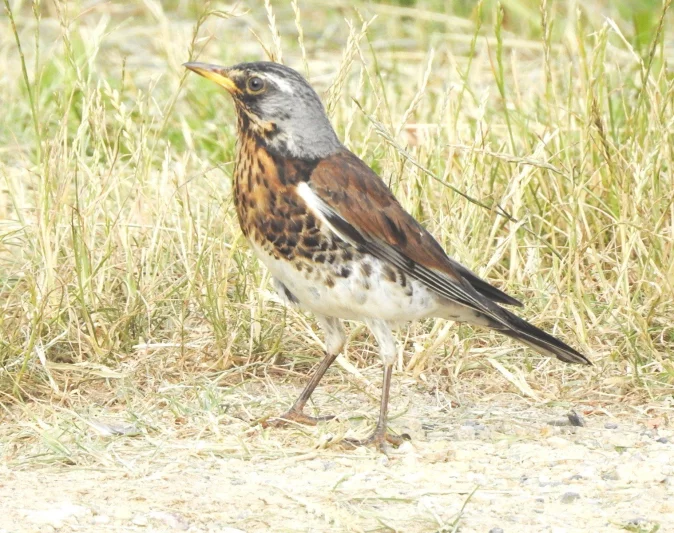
{"points": [[336, 240]]}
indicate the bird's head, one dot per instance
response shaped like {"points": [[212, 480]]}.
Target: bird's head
{"points": [[278, 105]]}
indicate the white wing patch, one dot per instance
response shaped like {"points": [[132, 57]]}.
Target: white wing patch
{"points": [[317, 207]]}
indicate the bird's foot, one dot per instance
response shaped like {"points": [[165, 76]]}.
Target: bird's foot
{"points": [[295, 416], [379, 438]]}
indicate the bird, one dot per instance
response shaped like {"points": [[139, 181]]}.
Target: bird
{"points": [[336, 240]]}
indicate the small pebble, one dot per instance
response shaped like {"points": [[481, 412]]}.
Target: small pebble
{"points": [[570, 497], [496, 530], [663, 440], [611, 425]]}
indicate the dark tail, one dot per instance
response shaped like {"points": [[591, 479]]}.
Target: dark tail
{"points": [[537, 339]]}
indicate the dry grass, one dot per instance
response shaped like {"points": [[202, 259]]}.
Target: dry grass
{"points": [[536, 143]]}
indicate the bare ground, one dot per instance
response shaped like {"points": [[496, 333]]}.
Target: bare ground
{"points": [[490, 462]]}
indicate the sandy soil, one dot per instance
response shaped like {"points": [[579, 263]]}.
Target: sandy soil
{"points": [[490, 465]]}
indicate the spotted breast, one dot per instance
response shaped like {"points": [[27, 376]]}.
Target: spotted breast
{"points": [[311, 264]]}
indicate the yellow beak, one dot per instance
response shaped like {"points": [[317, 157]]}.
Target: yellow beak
{"points": [[214, 73]]}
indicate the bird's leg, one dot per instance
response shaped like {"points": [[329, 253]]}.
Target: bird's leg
{"points": [[334, 342], [387, 350], [380, 435]]}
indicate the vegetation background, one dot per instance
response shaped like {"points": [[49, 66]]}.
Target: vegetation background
{"points": [[535, 140]]}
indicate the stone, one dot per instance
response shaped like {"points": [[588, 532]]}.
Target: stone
{"points": [[570, 497]]}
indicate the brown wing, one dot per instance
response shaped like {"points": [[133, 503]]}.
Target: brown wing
{"points": [[361, 207]]}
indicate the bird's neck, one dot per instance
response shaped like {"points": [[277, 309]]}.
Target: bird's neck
{"points": [[282, 140]]}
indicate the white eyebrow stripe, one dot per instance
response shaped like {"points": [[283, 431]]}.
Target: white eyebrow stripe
{"points": [[281, 83]]}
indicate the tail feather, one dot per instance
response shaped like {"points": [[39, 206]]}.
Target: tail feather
{"points": [[538, 339]]}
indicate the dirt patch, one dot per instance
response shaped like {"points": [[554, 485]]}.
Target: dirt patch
{"points": [[490, 464]]}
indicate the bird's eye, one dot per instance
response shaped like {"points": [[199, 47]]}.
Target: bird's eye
{"points": [[255, 85]]}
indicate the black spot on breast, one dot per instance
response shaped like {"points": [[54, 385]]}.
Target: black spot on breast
{"points": [[310, 241], [318, 258], [347, 255], [309, 254], [389, 273], [330, 281], [281, 172], [277, 225], [403, 279], [294, 225], [344, 272], [310, 221], [285, 250]]}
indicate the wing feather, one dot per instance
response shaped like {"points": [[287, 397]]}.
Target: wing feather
{"points": [[358, 206], [344, 193]]}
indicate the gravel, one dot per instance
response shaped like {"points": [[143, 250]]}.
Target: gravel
{"points": [[483, 464]]}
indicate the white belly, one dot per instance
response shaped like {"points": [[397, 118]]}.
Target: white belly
{"points": [[365, 293]]}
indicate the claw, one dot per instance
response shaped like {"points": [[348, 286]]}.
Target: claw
{"points": [[378, 438], [295, 416]]}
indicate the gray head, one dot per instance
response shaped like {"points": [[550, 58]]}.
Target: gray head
{"points": [[278, 105]]}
